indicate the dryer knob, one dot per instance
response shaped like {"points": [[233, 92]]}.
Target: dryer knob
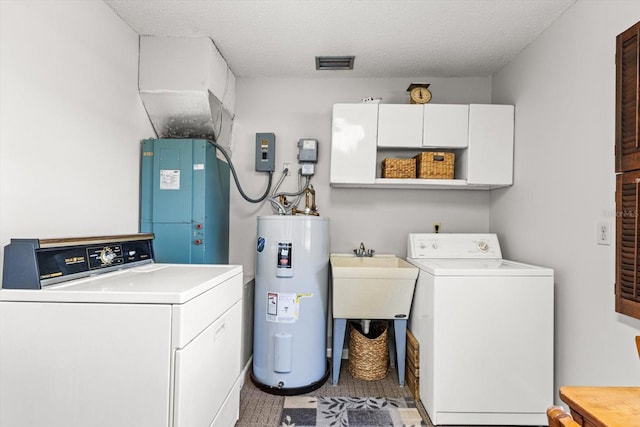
{"points": [[483, 246], [107, 255]]}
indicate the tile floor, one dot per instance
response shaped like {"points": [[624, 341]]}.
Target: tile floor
{"points": [[260, 409]]}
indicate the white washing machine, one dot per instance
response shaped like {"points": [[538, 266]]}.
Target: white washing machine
{"points": [[124, 342], [485, 332]]}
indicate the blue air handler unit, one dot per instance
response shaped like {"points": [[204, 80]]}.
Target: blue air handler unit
{"points": [[184, 201]]}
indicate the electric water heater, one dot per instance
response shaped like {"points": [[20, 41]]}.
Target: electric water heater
{"points": [[291, 297]]}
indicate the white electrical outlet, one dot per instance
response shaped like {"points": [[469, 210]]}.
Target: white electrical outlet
{"points": [[288, 167], [604, 233]]}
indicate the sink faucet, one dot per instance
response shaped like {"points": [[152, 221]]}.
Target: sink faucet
{"points": [[362, 251]]}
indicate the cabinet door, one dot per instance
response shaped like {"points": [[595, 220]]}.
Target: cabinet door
{"points": [[445, 126], [353, 143], [627, 98], [400, 125], [490, 151]]}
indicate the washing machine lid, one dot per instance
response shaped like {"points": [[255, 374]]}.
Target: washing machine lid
{"points": [[478, 267], [146, 284]]}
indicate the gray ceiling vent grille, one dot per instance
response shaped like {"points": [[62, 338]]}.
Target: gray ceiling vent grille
{"points": [[334, 62]]}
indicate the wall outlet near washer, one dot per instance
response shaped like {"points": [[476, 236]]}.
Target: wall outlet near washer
{"points": [[604, 233]]}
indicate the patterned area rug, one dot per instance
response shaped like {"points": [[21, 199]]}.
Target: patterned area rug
{"points": [[308, 411]]}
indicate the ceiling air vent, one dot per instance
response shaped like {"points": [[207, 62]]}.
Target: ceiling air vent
{"points": [[334, 62]]}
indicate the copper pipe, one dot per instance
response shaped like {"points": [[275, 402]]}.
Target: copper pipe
{"points": [[314, 208]]}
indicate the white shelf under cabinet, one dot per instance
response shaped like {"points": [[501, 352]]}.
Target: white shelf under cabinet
{"points": [[420, 184]]}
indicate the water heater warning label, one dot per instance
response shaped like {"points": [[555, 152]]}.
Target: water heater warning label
{"points": [[272, 304], [284, 307], [281, 307]]}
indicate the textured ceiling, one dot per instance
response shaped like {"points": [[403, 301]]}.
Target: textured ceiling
{"points": [[390, 38]]}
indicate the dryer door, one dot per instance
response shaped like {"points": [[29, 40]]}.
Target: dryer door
{"points": [[206, 370]]}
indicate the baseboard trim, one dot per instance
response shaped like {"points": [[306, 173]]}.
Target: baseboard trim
{"points": [[246, 370]]}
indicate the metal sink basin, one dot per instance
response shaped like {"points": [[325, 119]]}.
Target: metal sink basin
{"points": [[378, 287]]}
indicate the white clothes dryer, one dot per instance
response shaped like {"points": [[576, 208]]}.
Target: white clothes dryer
{"points": [[93, 333], [485, 331]]}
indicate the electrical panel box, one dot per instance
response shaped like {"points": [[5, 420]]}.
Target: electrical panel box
{"points": [[265, 152], [307, 169], [308, 150], [184, 201]]}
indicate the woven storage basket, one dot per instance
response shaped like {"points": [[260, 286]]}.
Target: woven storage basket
{"points": [[435, 165], [398, 168], [369, 357]]}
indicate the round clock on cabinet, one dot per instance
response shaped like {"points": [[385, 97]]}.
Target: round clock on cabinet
{"points": [[419, 93]]}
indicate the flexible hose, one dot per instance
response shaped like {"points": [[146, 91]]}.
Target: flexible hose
{"points": [[275, 203], [306, 185], [235, 176]]}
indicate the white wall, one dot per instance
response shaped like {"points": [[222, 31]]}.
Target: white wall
{"points": [[301, 108], [563, 86], [70, 121]]}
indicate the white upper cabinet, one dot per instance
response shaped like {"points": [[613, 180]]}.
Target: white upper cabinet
{"points": [[480, 136], [400, 125], [490, 152], [353, 144], [428, 125], [445, 126]]}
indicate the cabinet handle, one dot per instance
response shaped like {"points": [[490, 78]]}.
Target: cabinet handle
{"points": [[219, 331]]}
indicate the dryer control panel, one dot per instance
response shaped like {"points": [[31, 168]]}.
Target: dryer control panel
{"points": [[453, 245], [35, 263]]}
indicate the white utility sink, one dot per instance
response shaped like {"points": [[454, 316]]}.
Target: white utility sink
{"points": [[378, 287]]}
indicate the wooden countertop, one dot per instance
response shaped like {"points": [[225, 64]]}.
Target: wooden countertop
{"points": [[605, 406]]}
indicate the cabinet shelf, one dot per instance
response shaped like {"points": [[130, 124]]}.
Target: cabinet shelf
{"points": [[419, 184]]}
